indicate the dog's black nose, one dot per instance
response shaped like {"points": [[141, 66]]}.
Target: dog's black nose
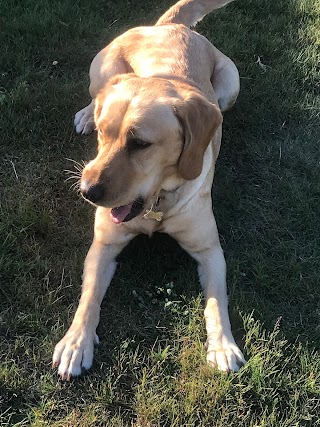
{"points": [[92, 192]]}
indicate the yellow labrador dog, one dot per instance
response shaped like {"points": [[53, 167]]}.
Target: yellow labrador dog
{"points": [[157, 96]]}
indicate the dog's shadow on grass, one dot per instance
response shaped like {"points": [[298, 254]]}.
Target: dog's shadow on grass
{"points": [[154, 276]]}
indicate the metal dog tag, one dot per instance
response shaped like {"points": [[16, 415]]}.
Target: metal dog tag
{"points": [[151, 214]]}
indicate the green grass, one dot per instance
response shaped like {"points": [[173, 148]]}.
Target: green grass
{"points": [[150, 367]]}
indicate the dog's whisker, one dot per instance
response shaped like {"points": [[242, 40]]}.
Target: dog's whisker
{"points": [[71, 170], [75, 187], [77, 165], [79, 169], [77, 182], [72, 178], [76, 178], [73, 161]]}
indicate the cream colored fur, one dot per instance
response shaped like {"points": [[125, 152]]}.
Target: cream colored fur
{"points": [[181, 67]]}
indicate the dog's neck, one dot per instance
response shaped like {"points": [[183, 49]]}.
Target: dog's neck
{"points": [[175, 192], [167, 188]]}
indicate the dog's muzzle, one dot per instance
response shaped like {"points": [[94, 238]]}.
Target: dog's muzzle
{"points": [[92, 192]]}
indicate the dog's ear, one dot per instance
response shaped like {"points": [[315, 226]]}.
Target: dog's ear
{"points": [[199, 119]]}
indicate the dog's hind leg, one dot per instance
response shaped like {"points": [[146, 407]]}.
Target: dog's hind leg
{"points": [[225, 81], [84, 120], [106, 64]]}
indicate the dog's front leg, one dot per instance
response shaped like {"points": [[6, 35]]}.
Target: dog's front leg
{"points": [[222, 350], [75, 351], [201, 241]]}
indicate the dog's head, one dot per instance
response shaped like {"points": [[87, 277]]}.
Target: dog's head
{"points": [[149, 130]]}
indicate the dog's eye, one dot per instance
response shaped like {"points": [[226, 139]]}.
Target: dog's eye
{"points": [[135, 143]]}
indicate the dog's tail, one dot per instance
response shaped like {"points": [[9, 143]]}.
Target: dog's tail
{"points": [[189, 12]]}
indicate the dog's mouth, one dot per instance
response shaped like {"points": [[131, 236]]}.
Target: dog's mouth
{"points": [[127, 212]]}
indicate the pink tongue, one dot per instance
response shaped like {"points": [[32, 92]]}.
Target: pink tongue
{"points": [[119, 214]]}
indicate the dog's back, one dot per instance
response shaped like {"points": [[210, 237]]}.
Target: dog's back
{"points": [[171, 48]]}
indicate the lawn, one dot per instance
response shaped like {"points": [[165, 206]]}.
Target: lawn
{"points": [[150, 366]]}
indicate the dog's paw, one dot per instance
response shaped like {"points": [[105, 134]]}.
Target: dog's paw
{"points": [[74, 353], [84, 121], [227, 357]]}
